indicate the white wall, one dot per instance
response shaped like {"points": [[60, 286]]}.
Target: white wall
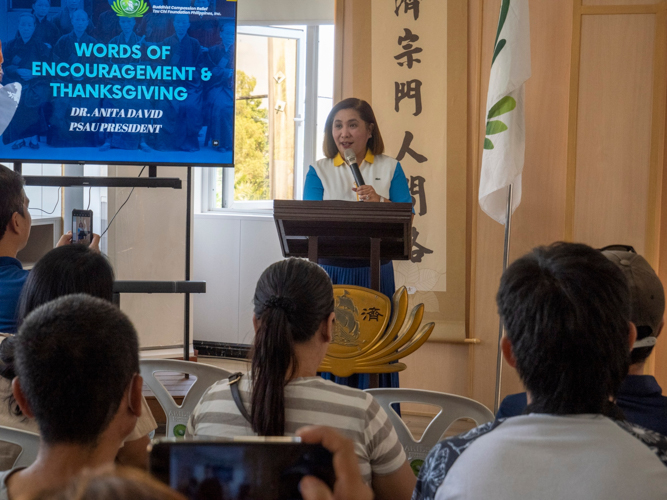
{"points": [[42, 196], [230, 253], [147, 242], [281, 12]]}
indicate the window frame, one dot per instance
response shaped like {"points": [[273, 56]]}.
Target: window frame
{"points": [[305, 125]]}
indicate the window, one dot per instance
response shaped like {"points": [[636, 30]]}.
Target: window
{"points": [[283, 97]]}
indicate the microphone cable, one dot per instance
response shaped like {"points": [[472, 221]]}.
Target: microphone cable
{"points": [[121, 207]]}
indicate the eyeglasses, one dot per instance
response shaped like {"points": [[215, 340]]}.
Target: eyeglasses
{"points": [[621, 248]]}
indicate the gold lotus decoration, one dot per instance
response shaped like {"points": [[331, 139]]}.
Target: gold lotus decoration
{"points": [[371, 332]]}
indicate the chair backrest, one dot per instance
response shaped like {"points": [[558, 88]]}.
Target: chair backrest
{"points": [[452, 408], [28, 441], [177, 416]]}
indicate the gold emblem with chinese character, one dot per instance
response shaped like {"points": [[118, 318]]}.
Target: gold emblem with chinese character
{"points": [[370, 332], [362, 315]]}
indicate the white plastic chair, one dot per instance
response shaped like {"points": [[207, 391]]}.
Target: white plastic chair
{"points": [[28, 441], [177, 416], [452, 408]]}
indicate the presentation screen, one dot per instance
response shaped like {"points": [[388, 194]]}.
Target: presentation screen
{"points": [[119, 81]]}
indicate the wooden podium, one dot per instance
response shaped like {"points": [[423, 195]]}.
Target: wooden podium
{"points": [[345, 229]]}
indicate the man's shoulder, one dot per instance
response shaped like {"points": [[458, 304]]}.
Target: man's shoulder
{"points": [[10, 263], [442, 457], [654, 441], [641, 400], [12, 271]]}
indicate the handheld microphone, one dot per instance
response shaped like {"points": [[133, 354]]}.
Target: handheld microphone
{"points": [[351, 160]]}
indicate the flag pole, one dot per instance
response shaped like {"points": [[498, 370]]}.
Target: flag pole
{"points": [[501, 327]]}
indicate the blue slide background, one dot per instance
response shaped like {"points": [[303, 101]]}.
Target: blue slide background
{"points": [[198, 130]]}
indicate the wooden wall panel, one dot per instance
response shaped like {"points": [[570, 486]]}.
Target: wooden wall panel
{"points": [[614, 129], [601, 193], [539, 219], [352, 71], [438, 367], [620, 2], [660, 359]]}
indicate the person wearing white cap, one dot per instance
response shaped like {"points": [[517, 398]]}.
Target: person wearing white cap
{"points": [[640, 397]]}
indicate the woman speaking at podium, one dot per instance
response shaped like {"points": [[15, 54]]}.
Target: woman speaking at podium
{"points": [[351, 125]]}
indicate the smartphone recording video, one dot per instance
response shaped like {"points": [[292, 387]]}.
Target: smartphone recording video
{"points": [[82, 226], [239, 470]]}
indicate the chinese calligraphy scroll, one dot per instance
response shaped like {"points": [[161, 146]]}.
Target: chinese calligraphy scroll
{"points": [[416, 75]]}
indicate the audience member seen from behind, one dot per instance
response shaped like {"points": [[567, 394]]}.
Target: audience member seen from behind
{"points": [[293, 322], [64, 271], [566, 311], [15, 224], [112, 483], [85, 414], [639, 397]]}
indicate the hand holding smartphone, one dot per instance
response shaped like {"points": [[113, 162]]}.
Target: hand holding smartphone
{"points": [[231, 470], [82, 226]]}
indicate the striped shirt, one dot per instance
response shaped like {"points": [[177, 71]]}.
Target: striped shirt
{"points": [[309, 401]]}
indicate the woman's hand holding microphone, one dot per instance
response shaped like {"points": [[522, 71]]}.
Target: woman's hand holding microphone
{"points": [[367, 193]]}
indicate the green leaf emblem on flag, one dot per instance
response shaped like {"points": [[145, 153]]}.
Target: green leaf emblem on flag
{"points": [[507, 103]]}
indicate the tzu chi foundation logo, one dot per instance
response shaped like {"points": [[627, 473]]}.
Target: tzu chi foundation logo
{"points": [[130, 8]]}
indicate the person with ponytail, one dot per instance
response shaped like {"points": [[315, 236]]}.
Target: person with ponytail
{"points": [[293, 321]]}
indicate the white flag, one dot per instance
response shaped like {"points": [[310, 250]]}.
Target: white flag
{"points": [[10, 95], [505, 142]]}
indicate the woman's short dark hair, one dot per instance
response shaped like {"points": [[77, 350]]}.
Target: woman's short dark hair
{"points": [[66, 270], [11, 196], [375, 143], [566, 309], [292, 299]]}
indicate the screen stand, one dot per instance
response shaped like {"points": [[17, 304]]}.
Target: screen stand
{"points": [[151, 181]]}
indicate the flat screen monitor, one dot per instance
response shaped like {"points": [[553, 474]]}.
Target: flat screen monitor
{"points": [[147, 82]]}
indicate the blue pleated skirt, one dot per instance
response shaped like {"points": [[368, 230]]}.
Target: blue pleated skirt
{"points": [[361, 276]]}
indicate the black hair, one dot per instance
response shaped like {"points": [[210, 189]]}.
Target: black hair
{"points": [[11, 197], [63, 271], [292, 299], [75, 358], [566, 309]]}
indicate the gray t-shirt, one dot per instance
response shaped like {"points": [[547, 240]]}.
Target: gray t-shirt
{"points": [[547, 457], [4, 493]]}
